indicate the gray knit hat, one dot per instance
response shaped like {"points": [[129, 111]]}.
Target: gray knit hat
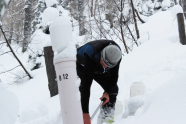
{"points": [[111, 55]]}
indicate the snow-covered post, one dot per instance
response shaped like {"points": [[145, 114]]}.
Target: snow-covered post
{"points": [[51, 74], [181, 27], [65, 66], [177, 10]]}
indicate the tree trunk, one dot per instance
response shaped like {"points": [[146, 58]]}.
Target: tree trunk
{"points": [[139, 16], [181, 28], [52, 83], [110, 18], [60, 1], [27, 25], [121, 27], [136, 26], [2, 6], [11, 34], [91, 8], [175, 2], [81, 8], [184, 8], [180, 2]]}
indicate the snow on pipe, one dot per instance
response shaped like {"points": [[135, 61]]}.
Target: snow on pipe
{"points": [[60, 33], [65, 66]]}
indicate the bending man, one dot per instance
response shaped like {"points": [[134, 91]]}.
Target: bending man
{"points": [[99, 60]]}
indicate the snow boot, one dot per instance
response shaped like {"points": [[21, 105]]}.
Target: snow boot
{"points": [[106, 114]]}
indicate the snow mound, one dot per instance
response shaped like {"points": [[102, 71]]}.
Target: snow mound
{"points": [[9, 106], [167, 101]]}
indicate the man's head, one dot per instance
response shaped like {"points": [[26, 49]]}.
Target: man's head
{"points": [[111, 55]]}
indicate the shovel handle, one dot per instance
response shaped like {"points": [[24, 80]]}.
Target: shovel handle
{"points": [[103, 100]]}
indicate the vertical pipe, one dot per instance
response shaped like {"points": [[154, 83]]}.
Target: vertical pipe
{"points": [[70, 105]]}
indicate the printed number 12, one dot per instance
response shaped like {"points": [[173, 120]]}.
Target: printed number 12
{"points": [[65, 76]]}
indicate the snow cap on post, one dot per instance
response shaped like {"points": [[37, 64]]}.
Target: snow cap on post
{"points": [[49, 15], [60, 33], [175, 10]]}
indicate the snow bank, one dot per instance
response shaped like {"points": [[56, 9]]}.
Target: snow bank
{"points": [[9, 106], [176, 9], [49, 15], [39, 41], [45, 112], [168, 101]]}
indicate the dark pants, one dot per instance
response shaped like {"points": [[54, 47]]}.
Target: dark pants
{"points": [[102, 80]]}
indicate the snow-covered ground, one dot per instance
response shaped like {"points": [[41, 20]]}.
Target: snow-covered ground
{"points": [[159, 62]]}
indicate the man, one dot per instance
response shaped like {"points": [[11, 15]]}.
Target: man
{"points": [[99, 60]]}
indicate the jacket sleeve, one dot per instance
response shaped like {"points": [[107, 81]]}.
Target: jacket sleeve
{"points": [[113, 78], [86, 82]]}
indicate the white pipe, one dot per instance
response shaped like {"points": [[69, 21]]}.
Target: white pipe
{"points": [[70, 105]]}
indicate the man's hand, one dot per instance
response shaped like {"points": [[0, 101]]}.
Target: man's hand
{"points": [[86, 118], [105, 95]]}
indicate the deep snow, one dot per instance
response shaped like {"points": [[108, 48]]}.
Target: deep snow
{"points": [[159, 62]]}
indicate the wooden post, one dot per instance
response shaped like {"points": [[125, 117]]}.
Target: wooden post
{"points": [[52, 83], [181, 28]]}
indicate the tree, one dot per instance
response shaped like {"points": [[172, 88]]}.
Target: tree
{"points": [[81, 18], [41, 6], [3, 3], [27, 24]]}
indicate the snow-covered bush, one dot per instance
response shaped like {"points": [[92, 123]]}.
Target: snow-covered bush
{"points": [[166, 4], [35, 60], [148, 7], [36, 23]]}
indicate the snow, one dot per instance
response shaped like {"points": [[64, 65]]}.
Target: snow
{"points": [[68, 52], [49, 15], [166, 101], [176, 9], [9, 106], [39, 41], [61, 33], [166, 3], [50, 3], [159, 63]]}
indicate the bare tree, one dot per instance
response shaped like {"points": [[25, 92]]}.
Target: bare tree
{"points": [[134, 17], [14, 53]]}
